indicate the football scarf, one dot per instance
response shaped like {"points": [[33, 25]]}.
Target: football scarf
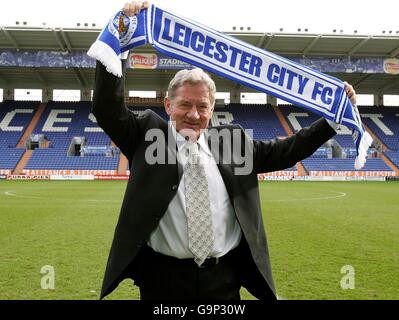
{"points": [[228, 57]]}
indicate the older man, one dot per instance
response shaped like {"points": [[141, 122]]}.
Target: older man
{"points": [[191, 228]]}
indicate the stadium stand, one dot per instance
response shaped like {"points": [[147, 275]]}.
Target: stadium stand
{"points": [[14, 118], [61, 124], [74, 140], [323, 159], [383, 121], [260, 118], [393, 156], [66, 135], [316, 164], [299, 119]]}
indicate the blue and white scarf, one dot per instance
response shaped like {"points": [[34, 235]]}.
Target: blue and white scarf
{"points": [[233, 59]]}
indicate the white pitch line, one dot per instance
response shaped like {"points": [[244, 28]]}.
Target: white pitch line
{"points": [[10, 193], [340, 195]]}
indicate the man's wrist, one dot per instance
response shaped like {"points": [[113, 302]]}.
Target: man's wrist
{"points": [[333, 124]]}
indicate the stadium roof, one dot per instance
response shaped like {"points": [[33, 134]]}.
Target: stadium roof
{"points": [[285, 44]]}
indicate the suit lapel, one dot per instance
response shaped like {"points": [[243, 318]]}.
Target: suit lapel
{"points": [[171, 151]]}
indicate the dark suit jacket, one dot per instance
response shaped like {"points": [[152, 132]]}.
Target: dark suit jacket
{"points": [[151, 187]]}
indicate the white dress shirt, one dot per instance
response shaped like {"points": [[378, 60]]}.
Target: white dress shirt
{"points": [[171, 236]]}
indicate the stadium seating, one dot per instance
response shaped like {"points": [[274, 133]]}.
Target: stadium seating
{"points": [[393, 156], [10, 157], [384, 122], [317, 164], [305, 118], [261, 118], [14, 118], [62, 122]]}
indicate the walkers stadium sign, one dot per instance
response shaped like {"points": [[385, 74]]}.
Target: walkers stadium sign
{"points": [[155, 61]]}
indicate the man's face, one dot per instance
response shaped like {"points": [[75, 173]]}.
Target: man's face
{"points": [[190, 109]]}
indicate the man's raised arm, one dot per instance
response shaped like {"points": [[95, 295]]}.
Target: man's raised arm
{"points": [[110, 110]]}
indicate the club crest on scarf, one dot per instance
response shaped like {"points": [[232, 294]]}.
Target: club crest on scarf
{"points": [[126, 27]]}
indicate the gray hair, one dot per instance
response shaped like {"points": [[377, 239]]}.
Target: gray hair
{"points": [[193, 76]]}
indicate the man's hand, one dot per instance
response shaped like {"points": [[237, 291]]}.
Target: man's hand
{"points": [[351, 93], [133, 8]]}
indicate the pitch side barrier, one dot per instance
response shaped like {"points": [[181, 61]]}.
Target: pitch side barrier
{"points": [[271, 176], [26, 177], [327, 176]]}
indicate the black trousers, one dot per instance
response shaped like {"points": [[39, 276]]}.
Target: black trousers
{"points": [[161, 277]]}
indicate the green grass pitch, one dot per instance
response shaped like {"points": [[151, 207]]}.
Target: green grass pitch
{"points": [[314, 229]]}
